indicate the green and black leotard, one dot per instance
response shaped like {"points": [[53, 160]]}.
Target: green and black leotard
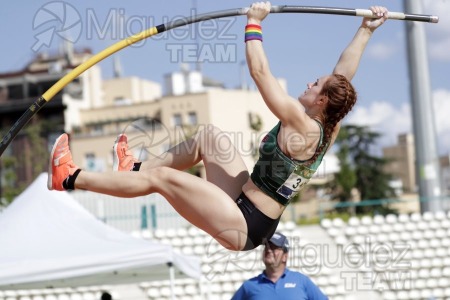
{"points": [[278, 175]]}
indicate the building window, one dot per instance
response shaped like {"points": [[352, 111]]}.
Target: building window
{"points": [[90, 161], [120, 101], [192, 118], [97, 129], [177, 120], [93, 163]]}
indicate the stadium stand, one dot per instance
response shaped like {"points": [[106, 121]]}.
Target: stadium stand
{"points": [[79, 293], [408, 255], [380, 257]]}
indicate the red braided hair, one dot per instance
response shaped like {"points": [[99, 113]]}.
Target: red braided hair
{"points": [[341, 98]]}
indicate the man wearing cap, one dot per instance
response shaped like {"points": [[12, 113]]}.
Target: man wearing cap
{"points": [[277, 281]]}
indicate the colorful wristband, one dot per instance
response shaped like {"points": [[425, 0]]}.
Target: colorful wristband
{"points": [[253, 32]]}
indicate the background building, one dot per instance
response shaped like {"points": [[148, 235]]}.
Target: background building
{"points": [[402, 162]]}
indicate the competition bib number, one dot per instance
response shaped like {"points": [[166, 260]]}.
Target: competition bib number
{"points": [[292, 185]]}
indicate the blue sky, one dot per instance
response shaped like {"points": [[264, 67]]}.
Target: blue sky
{"points": [[300, 48]]}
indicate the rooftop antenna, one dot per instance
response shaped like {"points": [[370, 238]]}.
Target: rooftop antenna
{"points": [[198, 65], [243, 71], [117, 67]]}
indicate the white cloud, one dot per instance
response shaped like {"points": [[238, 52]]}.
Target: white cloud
{"points": [[440, 8], [380, 51], [441, 99], [391, 121], [440, 49], [438, 34], [384, 118]]}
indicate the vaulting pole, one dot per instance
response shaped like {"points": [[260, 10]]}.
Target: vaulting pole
{"points": [[59, 85]]}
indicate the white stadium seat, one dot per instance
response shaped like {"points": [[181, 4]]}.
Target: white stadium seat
{"points": [[444, 282], [434, 224], [289, 226], [428, 216], [378, 219], [399, 227], [445, 224], [426, 264], [403, 218], [362, 230], [411, 226], [446, 272], [330, 291], [402, 295], [424, 273], [414, 294], [333, 232], [389, 295], [445, 242], [353, 221], [341, 240], [417, 235], [391, 219], [405, 236], [438, 293], [374, 229], [437, 262], [429, 234], [420, 283], [326, 223], [447, 291], [63, 297], [387, 228], [429, 253], [422, 225], [394, 237], [441, 252], [338, 222], [366, 220], [432, 283], [426, 293], [418, 253], [436, 272], [440, 215], [191, 289], [440, 233], [435, 243], [416, 217], [382, 238], [182, 232], [194, 231], [350, 231]]}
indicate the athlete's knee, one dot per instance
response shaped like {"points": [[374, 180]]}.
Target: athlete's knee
{"points": [[209, 133], [215, 140], [156, 177]]}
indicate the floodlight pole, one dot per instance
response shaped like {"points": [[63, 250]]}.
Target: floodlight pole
{"points": [[427, 159]]}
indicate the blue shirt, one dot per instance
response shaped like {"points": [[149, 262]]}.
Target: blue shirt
{"points": [[291, 285]]}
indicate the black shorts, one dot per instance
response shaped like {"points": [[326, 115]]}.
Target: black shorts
{"points": [[260, 227]]}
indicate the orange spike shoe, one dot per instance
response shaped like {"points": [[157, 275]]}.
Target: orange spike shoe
{"points": [[123, 159], [61, 165]]}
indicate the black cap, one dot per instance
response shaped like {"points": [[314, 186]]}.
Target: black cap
{"points": [[280, 240]]}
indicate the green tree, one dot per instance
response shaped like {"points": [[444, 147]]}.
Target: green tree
{"points": [[361, 169], [345, 179], [34, 156], [256, 124], [9, 179]]}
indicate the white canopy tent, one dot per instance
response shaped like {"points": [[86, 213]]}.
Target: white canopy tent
{"points": [[48, 240]]}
